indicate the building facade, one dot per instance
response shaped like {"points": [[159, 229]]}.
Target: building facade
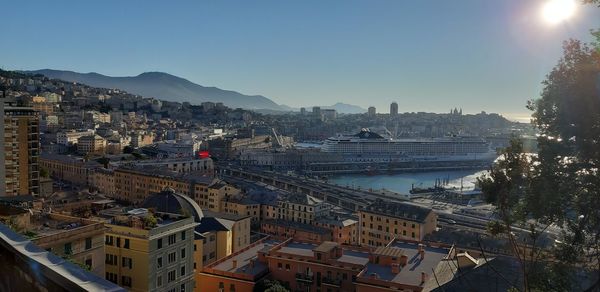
{"points": [[383, 221]]}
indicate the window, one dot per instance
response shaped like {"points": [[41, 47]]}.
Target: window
{"points": [[195, 247], [88, 243], [183, 253], [118, 242], [212, 238], [182, 289], [413, 235], [111, 277], [279, 266], [126, 262], [413, 225], [159, 243], [108, 240], [158, 281], [126, 245], [88, 263], [171, 276], [182, 272], [212, 255], [125, 281], [232, 288], [182, 235], [204, 258], [287, 267], [171, 257], [68, 248], [159, 262], [172, 239]]}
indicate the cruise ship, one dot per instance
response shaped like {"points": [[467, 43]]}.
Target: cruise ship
{"points": [[367, 146]]}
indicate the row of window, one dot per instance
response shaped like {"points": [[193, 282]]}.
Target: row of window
{"points": [[110, 240], [126, 281], [171, 239]]}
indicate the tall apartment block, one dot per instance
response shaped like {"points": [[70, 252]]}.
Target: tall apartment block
{"points": [[20, 150]]}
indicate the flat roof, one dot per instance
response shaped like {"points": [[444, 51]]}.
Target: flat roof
{"points": [[411, 273], [354, 257], [244, 259], [297, 248]]}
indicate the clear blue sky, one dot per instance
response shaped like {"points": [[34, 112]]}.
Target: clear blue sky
{"points": [[427, 55]]}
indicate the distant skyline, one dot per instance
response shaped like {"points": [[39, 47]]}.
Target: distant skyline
{"points": [[426, 55]]}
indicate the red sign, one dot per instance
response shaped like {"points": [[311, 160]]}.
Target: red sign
{"points": [[203, 154]]}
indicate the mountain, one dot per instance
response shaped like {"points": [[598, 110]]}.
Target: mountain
{"points": [[346, 108], [166, 87]]}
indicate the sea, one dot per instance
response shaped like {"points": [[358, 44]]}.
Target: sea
{"points": [[403, 182]]}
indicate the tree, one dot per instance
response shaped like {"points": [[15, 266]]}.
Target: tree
{"points": [[561, 184], [104, 161], [128, 149], [270, 286]]}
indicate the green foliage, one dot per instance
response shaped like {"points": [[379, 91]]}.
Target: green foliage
{"points": [[104, 161], [270, 286], [128, 149], [559, 185], [44, 172], [150, 221]]}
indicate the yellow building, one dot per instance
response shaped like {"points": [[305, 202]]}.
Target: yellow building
{"points": [[69, 168], [383, 221], [301, 208], [134, 184], [148, 251], [242, 206], [93, 144], [217, 192], [103, 180]]}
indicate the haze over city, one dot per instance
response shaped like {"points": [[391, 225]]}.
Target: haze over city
{"points": [[427, 55], [287, 146]]}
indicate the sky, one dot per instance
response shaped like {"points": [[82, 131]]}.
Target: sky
{"points": [[478, 55]]}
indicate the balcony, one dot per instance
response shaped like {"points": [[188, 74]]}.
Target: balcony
{"points": [[331, 281], [306, 278]]}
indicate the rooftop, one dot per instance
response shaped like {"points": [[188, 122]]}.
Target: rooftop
{"points": [[399, 210], [411, 273], [53, 267], [297, 226], [246, 261]]}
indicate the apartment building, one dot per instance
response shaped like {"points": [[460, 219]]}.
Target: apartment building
{"points": [[148, 251], [92, 144], [343, 230], [74, 169], [383, 221], [19, 166], [79, 239], [301, 208]]}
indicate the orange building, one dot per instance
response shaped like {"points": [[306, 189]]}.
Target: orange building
{"points": [[343, 230], [238, 272], [316, 267]]}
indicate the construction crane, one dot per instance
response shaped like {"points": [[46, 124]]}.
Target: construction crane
{"points": [[278, 138]]}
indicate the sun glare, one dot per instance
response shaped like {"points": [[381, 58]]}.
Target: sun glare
{"points": [[556, 11]]}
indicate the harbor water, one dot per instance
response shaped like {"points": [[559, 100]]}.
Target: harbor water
{"points": [[403, 182]]}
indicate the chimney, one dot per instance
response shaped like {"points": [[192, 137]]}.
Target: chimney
{"points": [[234, 264], [395, 268], [422, 252], [423, 277], [420, 247]]}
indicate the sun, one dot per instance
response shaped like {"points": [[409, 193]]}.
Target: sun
{"points": [[556, 11]]}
